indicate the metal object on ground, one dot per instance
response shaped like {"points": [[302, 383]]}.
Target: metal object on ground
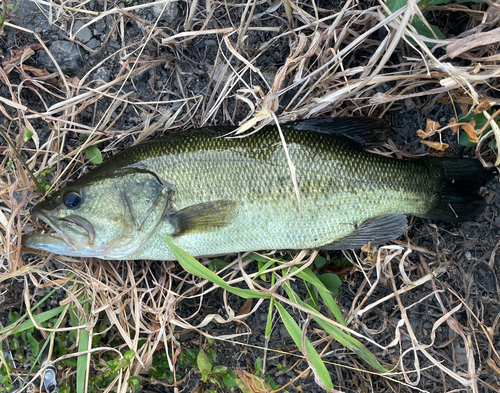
{"points": [[49, 379]]}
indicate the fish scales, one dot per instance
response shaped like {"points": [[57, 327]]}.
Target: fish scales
{"points": [[339, 189], [249, 182]]}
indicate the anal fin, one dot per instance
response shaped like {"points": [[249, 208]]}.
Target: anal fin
{"points": [[203, 217], [376, 230]]}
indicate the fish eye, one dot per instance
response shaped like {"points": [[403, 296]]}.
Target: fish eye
{"points": [[72, 199]]}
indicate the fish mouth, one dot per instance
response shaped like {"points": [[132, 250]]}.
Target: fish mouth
{"points": [[72, 234]]}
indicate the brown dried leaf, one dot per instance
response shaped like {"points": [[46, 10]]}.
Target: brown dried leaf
{"points": [[368, 247], [430, 129], [370, 260], [464, 100], [39, 72], [246, 308], [436, 145], [493, 365], [251, 382], [469, 128], [432, 126], [453, 127], [484, 105], [422, 134], [17, 57], [464, 108]]}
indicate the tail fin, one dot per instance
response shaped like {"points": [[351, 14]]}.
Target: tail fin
{"points": [[460, 181]]}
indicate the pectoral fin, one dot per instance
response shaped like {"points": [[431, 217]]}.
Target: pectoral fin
{"points": [[203, 217], [377, 230]]}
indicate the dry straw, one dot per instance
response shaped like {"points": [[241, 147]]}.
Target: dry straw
{"points": [[322, 74]]}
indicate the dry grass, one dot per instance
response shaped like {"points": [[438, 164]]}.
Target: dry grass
{"points": [[354, 61]]}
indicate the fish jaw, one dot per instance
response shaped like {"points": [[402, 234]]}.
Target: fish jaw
{"points": [[53, 243], [73, 236]]}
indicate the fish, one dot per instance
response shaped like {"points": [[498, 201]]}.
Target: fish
{"points": [[215, 193]]}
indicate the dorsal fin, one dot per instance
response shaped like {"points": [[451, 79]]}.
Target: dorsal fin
{"points": [[367, 132]]}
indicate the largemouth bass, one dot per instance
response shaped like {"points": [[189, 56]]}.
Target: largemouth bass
{"points": [[217, 195]]}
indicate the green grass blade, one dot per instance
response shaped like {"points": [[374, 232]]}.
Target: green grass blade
{"points": [[194, 267], [26, 323], [308, 276], [296, 334], [342, 337], [39, 318], [269, 322], [353, 344], [84, 344]]}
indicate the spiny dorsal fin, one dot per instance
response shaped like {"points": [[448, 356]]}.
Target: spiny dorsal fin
{"points": [[376, 230], [367, 132], [203, 217]]}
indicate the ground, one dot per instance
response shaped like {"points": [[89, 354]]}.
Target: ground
{"points": [[426, 305]]}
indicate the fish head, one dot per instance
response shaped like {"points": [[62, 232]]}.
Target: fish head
{"points": [[108, 217]]}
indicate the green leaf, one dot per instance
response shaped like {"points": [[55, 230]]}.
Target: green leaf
{"points": [[217, 264], [320, 261], [263, 266], [229, 379], [332, 282], [464, 140], [93, 155], [219, 369], [28, 134], [129, 355], [45, 172], [434, 2], [259, 364], [45, 185], [313, 296], [395, 5], [35, 346], [296, 334], [13, 316], [14, 344], [204, 375], [242, 386], [422, 29], [203, 362], [191, 356], [135, 383], [194, 267]]}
